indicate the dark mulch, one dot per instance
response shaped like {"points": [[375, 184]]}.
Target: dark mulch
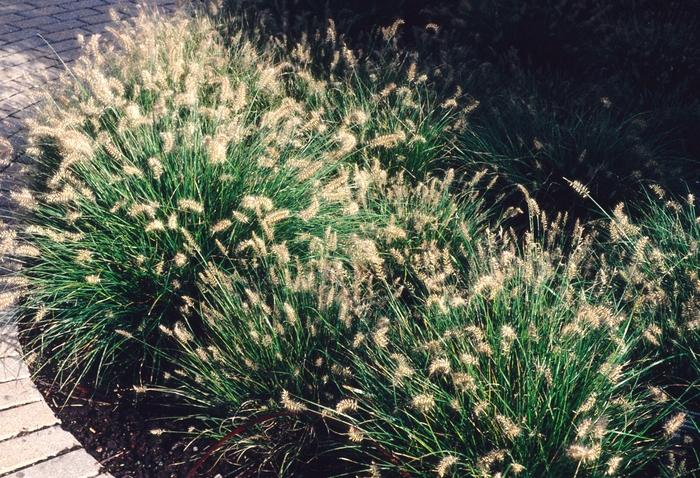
{"points": [[116, 430]]}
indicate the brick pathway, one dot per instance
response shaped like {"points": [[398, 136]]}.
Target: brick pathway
{"points": [[32, 442]]}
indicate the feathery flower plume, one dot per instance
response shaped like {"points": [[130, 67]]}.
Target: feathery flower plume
{"points": [[165, 331], [92, 279], [440, 366], [41, 313], [168, 141], [24, 198], [9, 299], [124, 333], [411, 72], [258, 204], [346, 143], [652, 334], [613, 465], [155, 225], [331, 36], [155, 166], [216, 148], [145, 209], [290, 313], [180, 259], [281, 252], [355, 434], [130, 170], [221, 226], [580, 188], [674, 424], [658, 394], [449, 103], [140, 389], [191, 205], [463, 382], [380, 336], [445, 464], [311, 211], [584, 454], [269, 221], [346, 405], [588, 405], [390, 32], [25, 250], [364, 252], [83, 256], [423, 402], [403, 369], [358, 340], [240, 217], [388, 140], [172, 222], [290, 404], [508, 336], [508, 426], [181, 333]]}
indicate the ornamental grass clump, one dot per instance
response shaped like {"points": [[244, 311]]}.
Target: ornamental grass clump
{"points": [[654, 252], [270, 361], [497, 357], [528, 375], [163, 152]]}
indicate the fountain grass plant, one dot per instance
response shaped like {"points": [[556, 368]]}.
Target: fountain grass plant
{"points": [[530, 376], [514, 362], [273, 344], [653, 252], [161, 155]]}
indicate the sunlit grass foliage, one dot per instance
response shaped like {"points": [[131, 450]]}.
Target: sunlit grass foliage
{"points": [[161, 155]]}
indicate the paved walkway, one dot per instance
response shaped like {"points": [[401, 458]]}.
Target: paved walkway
{"points": [[32, 442]]}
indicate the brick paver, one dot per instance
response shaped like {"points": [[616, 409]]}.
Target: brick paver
{"points": [[74, 464], [25, 450], [24, 419], [18, 392], [32, 34]]}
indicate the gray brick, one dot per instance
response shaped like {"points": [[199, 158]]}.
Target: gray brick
{"points": [[90, 4], [28, 449], [6, 91], [15, 59], [7, 28], [25, 418], [67, 44], [10, 18], [61, 26], [45, 10], [74, 14], [12, 368], [74, 464], [97, 18], [97, 27], [37, 4], [19, 392], [33, 22], [64, 34], [19, 101], [9, 343]]}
